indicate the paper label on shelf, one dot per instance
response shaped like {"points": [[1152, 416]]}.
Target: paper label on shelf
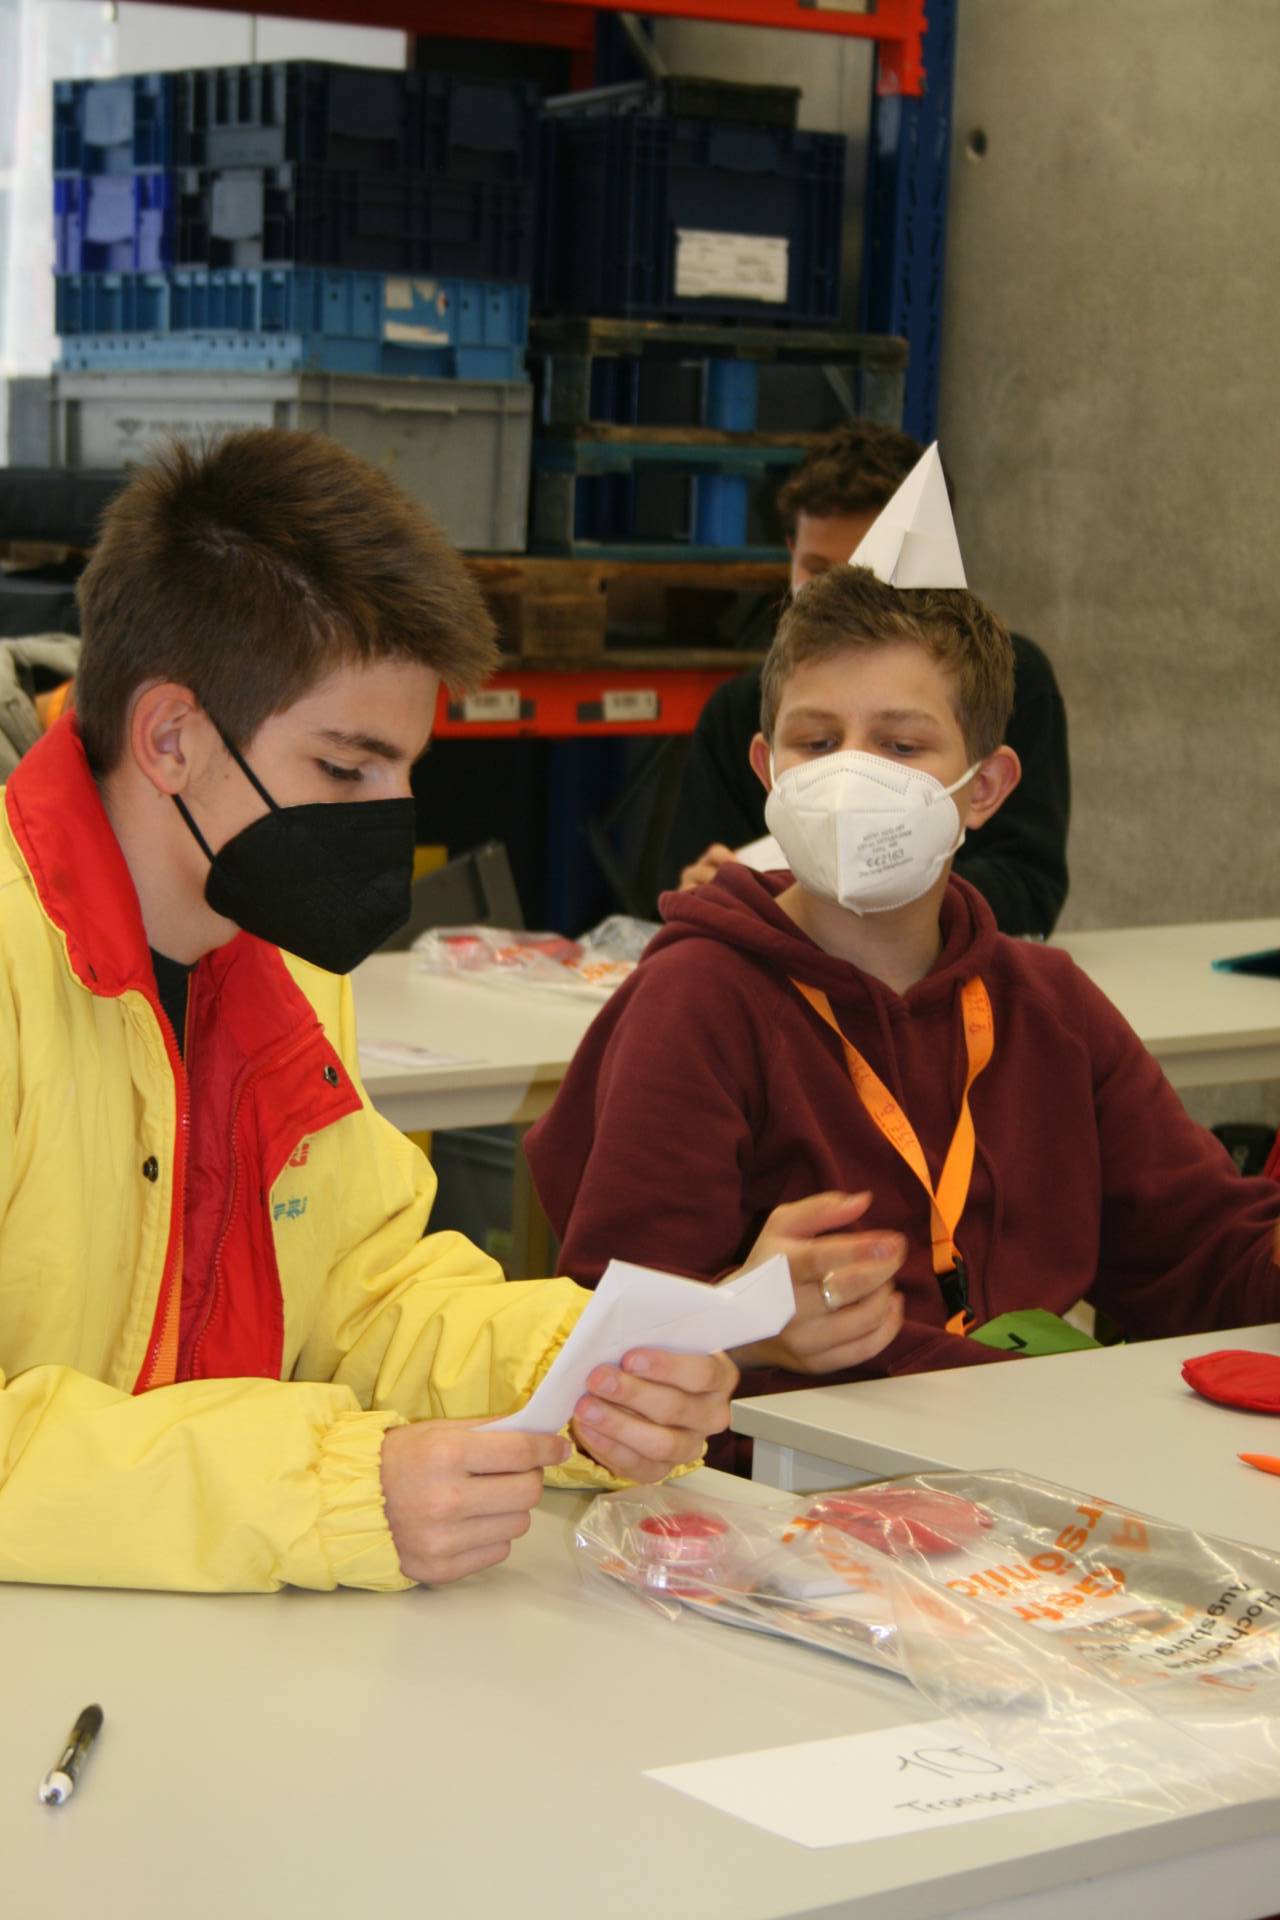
{"points": [[748, 266], [863, 1786], [499, 703], [630, 703]]}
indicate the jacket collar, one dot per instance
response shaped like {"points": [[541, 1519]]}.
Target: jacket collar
{"points": [[84, 886], [79, 872]]}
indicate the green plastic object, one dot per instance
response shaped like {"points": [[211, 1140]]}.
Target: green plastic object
{"points": [[1033, 1330]]}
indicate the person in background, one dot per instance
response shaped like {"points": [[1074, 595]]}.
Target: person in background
{"points": [[231, 1355], [1019, 860]]}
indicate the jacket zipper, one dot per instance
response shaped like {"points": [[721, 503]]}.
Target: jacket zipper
{"points": [[164, 1330]]}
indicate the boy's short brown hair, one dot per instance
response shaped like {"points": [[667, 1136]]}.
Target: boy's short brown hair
{"points": [[848, 609], [857, 468], [250, 569]]}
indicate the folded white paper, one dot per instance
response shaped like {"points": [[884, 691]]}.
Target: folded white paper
{"points": [[636, 1307], [912, 542], [864, 1786]]}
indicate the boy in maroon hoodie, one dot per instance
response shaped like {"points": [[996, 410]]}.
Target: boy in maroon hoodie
{"points": [[858, 1026]]}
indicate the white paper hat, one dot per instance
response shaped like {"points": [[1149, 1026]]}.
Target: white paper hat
{"points": [[912, 542]]}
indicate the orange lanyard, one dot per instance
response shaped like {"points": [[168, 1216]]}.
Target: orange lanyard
{"points": [[946, 1204]]}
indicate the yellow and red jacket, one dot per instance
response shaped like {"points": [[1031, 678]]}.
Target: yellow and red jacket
{"points": [[211, 1307]]}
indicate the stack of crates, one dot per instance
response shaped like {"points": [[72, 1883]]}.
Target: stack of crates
{"points": [[680, 201], [293, 243], [300, 215]]}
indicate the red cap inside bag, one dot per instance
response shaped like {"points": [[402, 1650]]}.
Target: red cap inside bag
{"points": [[1234, 1377], [902, 1519]]}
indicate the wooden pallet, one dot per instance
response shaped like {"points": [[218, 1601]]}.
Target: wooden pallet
{"points": [[552, 609]]}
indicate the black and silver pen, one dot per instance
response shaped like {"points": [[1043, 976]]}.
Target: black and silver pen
{"points": [[60, 1782]]}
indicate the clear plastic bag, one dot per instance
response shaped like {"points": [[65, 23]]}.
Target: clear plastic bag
{"points": [[590, 968], [1109, 1654]]}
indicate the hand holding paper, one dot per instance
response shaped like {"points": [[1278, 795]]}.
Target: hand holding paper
{"points": [[677, 1380]]}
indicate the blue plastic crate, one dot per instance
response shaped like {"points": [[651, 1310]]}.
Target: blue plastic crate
{"points": [[455, 126], [294, 319], [113, 222], [113, 126], [312, 110], [666, 218], [297, 215]]}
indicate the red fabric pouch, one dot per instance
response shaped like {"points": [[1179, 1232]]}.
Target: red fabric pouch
{"points": [[1236, 1378]]}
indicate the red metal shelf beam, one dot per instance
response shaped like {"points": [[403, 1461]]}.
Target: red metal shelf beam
{"points": [[897, 26]]}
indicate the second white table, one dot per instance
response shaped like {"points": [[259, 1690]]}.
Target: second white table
{"points": [[1119, 1422]]}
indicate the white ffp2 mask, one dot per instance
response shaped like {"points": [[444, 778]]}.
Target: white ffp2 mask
{"points": [[870, 833]]}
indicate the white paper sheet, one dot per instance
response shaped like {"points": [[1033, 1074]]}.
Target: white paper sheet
{"points": [[864, 1786], [912, 542], [637, 1307], [763, 856], [395, 1053]]}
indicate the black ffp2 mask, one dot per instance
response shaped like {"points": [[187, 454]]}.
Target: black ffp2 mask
{"points": [[329, 882]]}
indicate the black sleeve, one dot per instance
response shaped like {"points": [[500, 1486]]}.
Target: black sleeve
{"points": [[720, 797], [1018, 860]]}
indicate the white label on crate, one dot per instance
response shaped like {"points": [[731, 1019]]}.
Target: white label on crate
{"points": [[750, 266], [408, 296], [632, 703], [411, 336], [500, 703]]}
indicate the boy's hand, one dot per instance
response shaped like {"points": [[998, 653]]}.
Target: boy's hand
{"points": [[706, 866], [654, 1412], [846, 1310], [457, 1496]]}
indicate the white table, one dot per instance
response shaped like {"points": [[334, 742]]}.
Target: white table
{"points": [[513, 1045], [477, 1752], [1205, 1028], [1118, 1421]]}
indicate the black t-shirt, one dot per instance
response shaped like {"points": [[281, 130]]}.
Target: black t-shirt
{"points": [[1017, 861], [172, 982]]}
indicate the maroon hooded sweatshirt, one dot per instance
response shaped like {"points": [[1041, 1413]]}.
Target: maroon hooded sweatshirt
{"points": [[707, 1092]]}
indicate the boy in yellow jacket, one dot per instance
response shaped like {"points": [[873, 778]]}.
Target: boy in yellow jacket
{"points": [[227, 1350]]}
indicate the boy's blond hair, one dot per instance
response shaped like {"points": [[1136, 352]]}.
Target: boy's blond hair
{"points": [[848, 609]]}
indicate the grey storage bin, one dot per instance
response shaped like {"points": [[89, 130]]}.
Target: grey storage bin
{"points": [[460, 446], [24, 399]]}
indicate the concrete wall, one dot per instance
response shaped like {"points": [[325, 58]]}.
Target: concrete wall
{"points": [[1110, 410]]}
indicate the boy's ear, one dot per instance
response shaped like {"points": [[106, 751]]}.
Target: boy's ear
{"points": [[758, 754], [995, 780], [170, 737]]}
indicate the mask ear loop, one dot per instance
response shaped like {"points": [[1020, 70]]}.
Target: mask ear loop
{"points": [[249, 774]]}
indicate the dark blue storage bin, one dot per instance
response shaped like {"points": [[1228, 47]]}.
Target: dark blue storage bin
{"points": [[309, 110], [337, 217], [478, 128], [616, 195], [113, 222], [113, 126], [299, 320], [318, 114]]}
